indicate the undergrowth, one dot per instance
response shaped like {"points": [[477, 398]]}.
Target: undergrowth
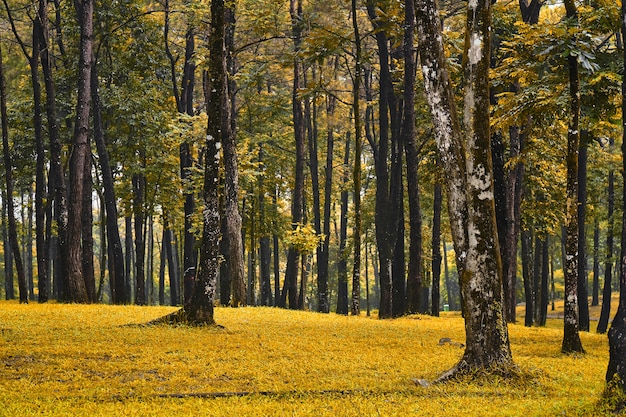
{"points": [[91, 360]]}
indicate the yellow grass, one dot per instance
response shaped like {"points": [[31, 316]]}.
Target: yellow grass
{"points": [[75, 360]]}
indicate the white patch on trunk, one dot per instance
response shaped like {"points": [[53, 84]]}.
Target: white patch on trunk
{"points": [[475, 52]]}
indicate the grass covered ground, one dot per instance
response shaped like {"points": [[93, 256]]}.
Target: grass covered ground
{"points": [[91, 360]]}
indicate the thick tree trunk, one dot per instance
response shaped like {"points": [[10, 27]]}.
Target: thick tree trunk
{"points": [[199, 309], [469, 183], [80, 155], [8, 169]]}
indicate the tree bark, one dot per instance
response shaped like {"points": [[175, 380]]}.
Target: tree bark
{"points": [[139, 190], [116, 272], [80, 154], [527, 274], [595, 293], [583, 282], [199, 309], [469, 180], [571, 338], [290, 290], [436, 250], [616, 370], [87, 233], [608, 265], [8, 169], [356, 173], [342, 265], [232, 216]]}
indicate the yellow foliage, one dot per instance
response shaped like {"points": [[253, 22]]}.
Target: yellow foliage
{"points": [[90, 360]]}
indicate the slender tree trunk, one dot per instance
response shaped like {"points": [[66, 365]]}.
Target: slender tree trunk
{"points": [[116, 272], [527, 274], [583, 281], [87, 233], [571, 338], [139, 189], [595, 298], [56, 184], [608, 265], [265, 252], [128, 265], [170, 251], [414, 279], [545, 276], [163, 259], [436, 248], [356, 173], [14, 243], [342, 265]]}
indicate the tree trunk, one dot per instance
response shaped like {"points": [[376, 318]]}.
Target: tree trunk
{"points": [[583, 282], [436, 250], [356, 173], [231, 187], [14, 243], [116, 272], [571, 338], [56, 183], [264, 242], [414, 278], [608, 265], [80, 154], [199, 309], [87, 233], [128, 255], [527, 274], [323, 250], [545, 276], [170, 251], [595, 298], [616, 370], [469, 183], [139, 190], [342, 265]]}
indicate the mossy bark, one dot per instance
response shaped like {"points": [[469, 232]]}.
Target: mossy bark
{"points": [[469, 183]]}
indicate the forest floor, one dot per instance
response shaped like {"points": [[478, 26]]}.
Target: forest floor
{"points": [[100, 360]]}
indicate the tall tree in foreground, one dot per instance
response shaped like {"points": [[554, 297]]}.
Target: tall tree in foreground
{"points": [[80, 155], [199, 309], [571, 337], [469, 182], [616, 370], [21, 276]]}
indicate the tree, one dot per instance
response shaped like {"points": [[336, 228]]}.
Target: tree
{"points": [[571, 338], [80, 155], [616, 370], [21, 276], [199, 309], [469, 182]]}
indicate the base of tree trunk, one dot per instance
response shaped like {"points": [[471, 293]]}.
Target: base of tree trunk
{"points": [[472, 370], [182, 317], [613, 397]]}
